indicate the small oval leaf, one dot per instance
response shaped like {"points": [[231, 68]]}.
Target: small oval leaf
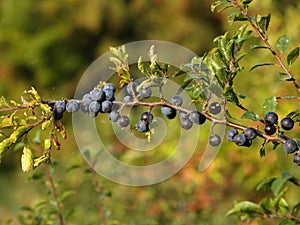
{"points": [[283, 43]]}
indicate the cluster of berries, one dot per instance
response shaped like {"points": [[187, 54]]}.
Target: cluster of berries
{"points": [[271, 119]]}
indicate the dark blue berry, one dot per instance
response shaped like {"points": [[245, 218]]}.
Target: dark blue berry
{"points": [[290, 146], [142, 126], [72, 106], [182, 115], [123, 121], [127, 99], [239, 139], [145, 92], [109, 86], [134, 87], [214, 140], [86, 99], [215, 108], [114, 115], [84, 108], [109, 95], [296, 159], [94, 107], [168, 112], [58, 116], [93, 114], [271, 118], [197, 117], [250, 133], [176, 100], [186, 123], [147, 117], [97, 95], [287, 123], [231, 133], [270, 129], [106, 106], [59, 107]]}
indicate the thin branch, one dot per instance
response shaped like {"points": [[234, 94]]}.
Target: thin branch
{"points": [[266, 42]]}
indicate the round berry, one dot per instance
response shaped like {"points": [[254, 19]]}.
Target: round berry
{"points": [[197, 117], [215, 108], [182, 115], [127, 99], [59, 107], [290, 146], [109, 95], [231, 133], [214, 140], [147, 117], [287, 123], [168, 112], [109, 86], [123, 121], [248, 143], [72, 106], [114, 115], [271, 118], [84, 108], [93, 114], [145, 92], [176, 100], [239, 139], [186, 123], [134, 86], [94, 107], [142, 126], [270, 129], [250, 133], [58, 116], [86, 99], [106, 106], [97, 95], [296, 159]]}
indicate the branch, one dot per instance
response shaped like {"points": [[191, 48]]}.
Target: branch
{"points": [[266, 42]]}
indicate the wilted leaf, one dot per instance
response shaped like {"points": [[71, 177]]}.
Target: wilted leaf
{"points": [[293, 55], [283, 42], [26, 160]]}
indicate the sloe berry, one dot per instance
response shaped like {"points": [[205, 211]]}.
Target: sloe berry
{"points": [[231, 133], [296, 159], [239, 139], [168, 112], [97, 94], [109, 95], [94, 107], [106, 106], [123, 121], [270, 129], [271, 118], [86, 99], [186, 123], [250, 133], [127, 99], [59, 106], [215, 108], [290, 146], [147, 117], [287, 123], [142, 126], [214, 140], [176, 100], [197, 117], [109, 86], [145, 92], [134, 86], [114, 115], [72, 106]]}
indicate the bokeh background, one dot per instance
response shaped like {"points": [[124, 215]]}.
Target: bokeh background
{"points": [[49, 44]]}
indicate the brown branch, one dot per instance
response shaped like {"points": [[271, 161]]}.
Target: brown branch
{"points": [[266, 42]]}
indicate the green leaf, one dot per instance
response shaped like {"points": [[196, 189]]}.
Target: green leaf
{"points": [[251, 116], [258, 47], [216, 4], [263, 22], [261, 64], [66, 195], [283, 42], [293, 55], [266, 184], [262, 150], [296, 209], [246, 207], [288, 222], [270, 105], [279, 182], [231, 96], [267, 205]]}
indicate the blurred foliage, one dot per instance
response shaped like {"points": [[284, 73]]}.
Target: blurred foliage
{"points": [[48, 44]]}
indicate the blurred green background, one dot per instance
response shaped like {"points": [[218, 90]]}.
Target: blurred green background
{"points": [[49, 44]]}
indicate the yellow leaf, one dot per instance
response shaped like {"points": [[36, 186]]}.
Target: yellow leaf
{"points": [[26, 160]]}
